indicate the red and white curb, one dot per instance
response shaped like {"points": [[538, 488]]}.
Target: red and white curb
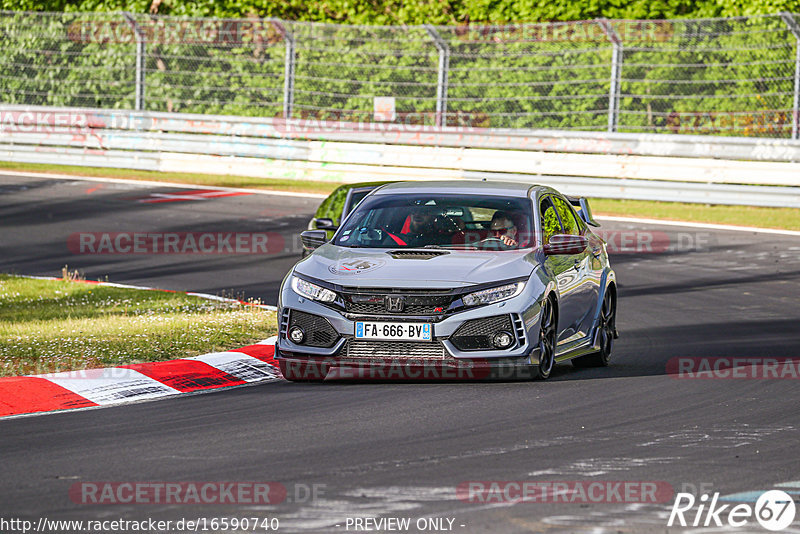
{"points": [[142, 381], [91, 388]]}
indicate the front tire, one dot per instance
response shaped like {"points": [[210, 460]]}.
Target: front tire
{"points": [[607, 333], [547, 340]]}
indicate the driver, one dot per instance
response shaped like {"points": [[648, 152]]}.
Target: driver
{"points": [[503, 228], [421, 229]]}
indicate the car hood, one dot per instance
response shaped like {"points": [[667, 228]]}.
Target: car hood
{"points": [[379, 268]]}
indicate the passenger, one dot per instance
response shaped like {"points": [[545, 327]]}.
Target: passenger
{"points": [[422, 227], [421, 221]]}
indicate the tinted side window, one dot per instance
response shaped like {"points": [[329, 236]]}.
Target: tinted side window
{"points": [[567, 216], [332, 206], [357, 197], [550, 224]]}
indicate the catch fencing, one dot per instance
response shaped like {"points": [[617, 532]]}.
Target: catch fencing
{"points": [[729, 77]]}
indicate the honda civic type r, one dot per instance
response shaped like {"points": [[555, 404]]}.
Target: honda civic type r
{"points": [[450, 279]]}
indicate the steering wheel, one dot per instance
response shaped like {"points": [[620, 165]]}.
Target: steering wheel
{"points": [[493, 243]]}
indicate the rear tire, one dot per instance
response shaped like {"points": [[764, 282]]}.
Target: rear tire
{"points": [[607, 329]]}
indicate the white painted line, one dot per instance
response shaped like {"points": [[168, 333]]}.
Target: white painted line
{"points": [[269, 341], [225, 299], [321, 196], [240, 365], [151, 183], [699, 225], [206, 296], [126, 286], [111, 385]]}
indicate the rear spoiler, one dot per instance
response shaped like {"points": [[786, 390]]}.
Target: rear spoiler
{"points": [[582, 205]]}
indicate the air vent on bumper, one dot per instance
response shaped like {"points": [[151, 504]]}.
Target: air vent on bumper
{"points": [[483, 334], [417, 254], [316, 330]]}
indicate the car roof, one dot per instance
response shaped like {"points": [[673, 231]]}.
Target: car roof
{"points": [[360, 185], [510, 189]]}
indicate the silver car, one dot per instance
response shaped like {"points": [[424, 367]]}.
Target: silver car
{"points": [[460, 280]]}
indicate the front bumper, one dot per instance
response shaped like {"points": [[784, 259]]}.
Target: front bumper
{"points": [[346, 357], [332, 368]]}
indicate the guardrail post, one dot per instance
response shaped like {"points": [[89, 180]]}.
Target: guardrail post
{"points": [[795, 29], [616, 71], [140, 42], [288, 68], [441, 82]]}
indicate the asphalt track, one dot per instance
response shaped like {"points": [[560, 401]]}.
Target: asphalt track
{"points": [[402, 449]]}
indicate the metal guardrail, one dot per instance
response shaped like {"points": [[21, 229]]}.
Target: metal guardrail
{"points": [[715, 170]]}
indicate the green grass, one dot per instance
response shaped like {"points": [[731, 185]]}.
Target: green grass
{"points": [[51, 326], [782, 218]]}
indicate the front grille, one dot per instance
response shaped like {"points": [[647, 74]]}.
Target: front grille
{"points": [[397, 350], [319, 332], [477, 334], [375, 304]]}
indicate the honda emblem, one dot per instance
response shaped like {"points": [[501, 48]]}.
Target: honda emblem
{"points": [[394, 304]]}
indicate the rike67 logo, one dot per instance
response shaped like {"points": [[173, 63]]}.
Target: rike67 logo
{"points": [[774, 510]]}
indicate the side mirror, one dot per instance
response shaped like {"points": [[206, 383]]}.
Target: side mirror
{"points": [[566, 244], [324, 223], [586, 212], [313, 239]]}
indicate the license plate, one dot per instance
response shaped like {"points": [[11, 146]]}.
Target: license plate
{"points": [[394, 331]]}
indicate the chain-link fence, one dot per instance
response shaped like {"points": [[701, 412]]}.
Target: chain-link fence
{"points": [[737, 76]]}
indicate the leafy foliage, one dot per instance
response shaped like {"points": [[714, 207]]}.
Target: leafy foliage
{"points": [[383, 12], [711, 76]]}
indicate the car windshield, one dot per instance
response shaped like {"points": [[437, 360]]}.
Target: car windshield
{"points": [[439, 221]]}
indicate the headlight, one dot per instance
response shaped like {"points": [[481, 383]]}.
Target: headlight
{"points": [[312, 291], [495, 294]]}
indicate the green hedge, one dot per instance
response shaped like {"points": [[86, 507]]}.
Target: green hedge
{"points": [[710, 76], [423, 11]]}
